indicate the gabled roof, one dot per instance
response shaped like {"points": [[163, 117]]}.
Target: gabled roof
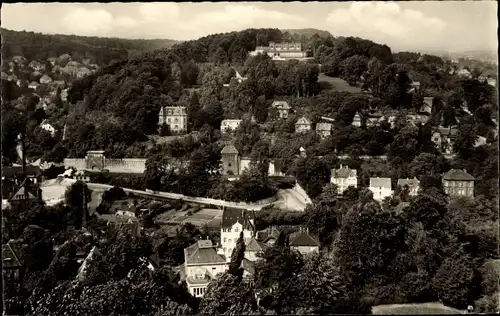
{"points": [[324, 127], [9, 257], [202, 252], [254, 245], [344, 172], [281, 105], [458, 175], [229, 149], [410, 182], [303, 120], [232, 215], [452, 132], [21, 191], [303, 239], [380, 182]]}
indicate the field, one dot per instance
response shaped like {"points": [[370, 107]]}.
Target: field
{"points": [[414, 309], [336, 83]]}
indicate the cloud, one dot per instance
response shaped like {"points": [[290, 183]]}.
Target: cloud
{"points": [[238, 16], [159, 11], [385, 22], [83, 21]]}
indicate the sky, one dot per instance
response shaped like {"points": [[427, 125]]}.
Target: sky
{"points": [[454, 26]]}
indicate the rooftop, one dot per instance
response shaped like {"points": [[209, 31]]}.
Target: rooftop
{"points": [[229, 149], [380, 182], [202, 252], [281, 105], [232, 215], [303, 239], [303, 120], [458, 175], [410, 182], [344, 172]]}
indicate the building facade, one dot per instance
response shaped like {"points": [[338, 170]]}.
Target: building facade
{"points": [[458, 182], [344, 177], [413, 185], [233, 164], [283, 108], [444, 138], [229, 125], [324, 129], [303, 242], [381, 188], [175, 117], [302, 125], [202, 264], [356, 121], [281, 50], [234, 222]]}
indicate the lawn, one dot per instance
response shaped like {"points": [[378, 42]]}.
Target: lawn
{"points": [[336, 83], [414, 309]]}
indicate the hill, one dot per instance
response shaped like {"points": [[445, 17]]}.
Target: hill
{"points": [[100, 50], [309, 32]]}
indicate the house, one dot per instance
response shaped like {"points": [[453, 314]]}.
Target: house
{"points": [[324, 129], [356, 121], [47, 127], [303, 242], [413, 185], [458, 182], [12, 172], [492, 81], [381, 188], [64, 95], [33, 85], [443, 138], [253, 248], [45, 79], [52, 60], [230, 160], [25, 191], [344, 177], [122, 222], [229, 125], [175, 117], [283, 108], [302, 125], [12, 253], [268, 236], [426, 105], [202, 264], [281, 50], [235, 221]]}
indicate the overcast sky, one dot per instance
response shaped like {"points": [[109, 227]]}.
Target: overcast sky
{"points": [[416, 25]]}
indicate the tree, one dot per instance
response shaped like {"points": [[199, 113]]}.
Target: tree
{"points": [[465, 139], [324, 219], [312, 173], [77, 197], [428, 164], [236, 258]]}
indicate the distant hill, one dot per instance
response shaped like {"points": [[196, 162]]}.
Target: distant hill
{"points": [[100, 50], [308, 32]]}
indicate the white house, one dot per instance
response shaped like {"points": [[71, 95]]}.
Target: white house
{"points": [[175, 117], [283, 108], [413, 185], [303, 242], [229, 125], [202, 264], [33, 85], [344, 177], [303, 124], [49, 128], [235, 221], [381, 188], [464, 73], [356, 121]]}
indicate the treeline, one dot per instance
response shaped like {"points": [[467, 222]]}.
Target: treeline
{"points": [[100, 50]]}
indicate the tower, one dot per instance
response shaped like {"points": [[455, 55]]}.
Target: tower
{"points": [[230, 160]]}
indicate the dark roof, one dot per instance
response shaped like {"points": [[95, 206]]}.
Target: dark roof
{"points": [[32, 193], [10, 171], [458, 175], [343, 172], [232, 215], [254, 245], [229, 149], [202, 252], [303, 239], [451, 132], [10, 257], [410, 182]]}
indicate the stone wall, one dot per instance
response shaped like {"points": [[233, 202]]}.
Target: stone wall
{"points": [[125, 165], [273, 170]]}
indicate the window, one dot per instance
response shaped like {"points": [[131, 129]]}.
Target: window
{"points": [[225, 239], [176, 121], [236, 229], [168, 120], [176, 126]]}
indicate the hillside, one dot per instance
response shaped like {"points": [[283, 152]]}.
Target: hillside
{"points": [[100, 50], [309, 32]]}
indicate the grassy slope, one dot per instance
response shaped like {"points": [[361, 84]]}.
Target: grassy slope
{"points": [[337, 84]]}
